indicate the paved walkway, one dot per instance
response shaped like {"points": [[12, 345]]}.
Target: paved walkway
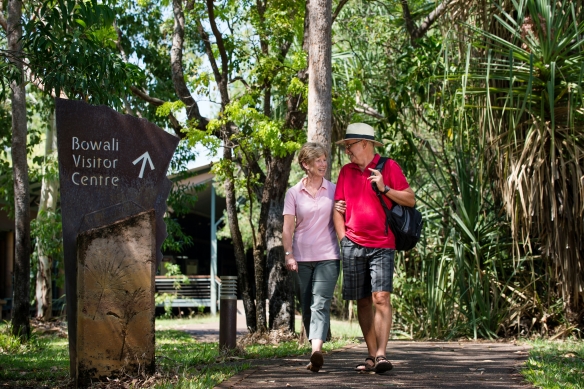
{"points": [[473, 365], [416, 365]]}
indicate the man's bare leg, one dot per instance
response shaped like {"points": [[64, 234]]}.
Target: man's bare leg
{"points": [[367, 323], [382, 322]]}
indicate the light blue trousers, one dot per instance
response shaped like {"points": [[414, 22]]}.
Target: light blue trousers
{"points": [[317, 285]]}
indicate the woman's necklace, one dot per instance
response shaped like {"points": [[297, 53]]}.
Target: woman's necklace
{"points": [[312, 189]]}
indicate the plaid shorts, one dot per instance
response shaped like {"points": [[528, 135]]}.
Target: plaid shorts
{"points": [[365, 270]]}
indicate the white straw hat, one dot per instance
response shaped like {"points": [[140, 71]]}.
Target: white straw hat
{"points": [[360, 131]]}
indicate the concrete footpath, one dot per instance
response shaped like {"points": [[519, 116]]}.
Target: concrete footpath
{"points": [[416, 365]]}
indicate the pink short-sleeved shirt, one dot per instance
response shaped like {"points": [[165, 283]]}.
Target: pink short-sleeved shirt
{"points": [[314, 238], [364, 216]]}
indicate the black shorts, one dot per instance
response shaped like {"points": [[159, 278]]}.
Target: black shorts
{"points": [[365, 270]]}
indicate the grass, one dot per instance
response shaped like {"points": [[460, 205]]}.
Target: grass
{"points": [[555, 364], [42, 360], [345, 329], [165, 324], [182, 362]]}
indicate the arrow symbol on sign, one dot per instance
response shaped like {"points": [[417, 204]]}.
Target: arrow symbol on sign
{"points": [[146, 158]]}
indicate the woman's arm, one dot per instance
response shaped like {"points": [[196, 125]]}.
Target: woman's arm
{"points": [[287, 234], [339, 222]]}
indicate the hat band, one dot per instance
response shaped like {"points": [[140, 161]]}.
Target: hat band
{"points": [[359, 136]]}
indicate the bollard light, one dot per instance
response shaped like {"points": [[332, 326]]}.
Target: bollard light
{"points": [[228, 312]]}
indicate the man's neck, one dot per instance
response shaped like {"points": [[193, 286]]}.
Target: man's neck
{"points": [[368, 160]]}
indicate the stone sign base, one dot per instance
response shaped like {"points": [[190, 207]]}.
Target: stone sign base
{"points": [[115, 322]]}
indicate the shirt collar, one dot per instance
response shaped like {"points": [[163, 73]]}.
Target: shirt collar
{"points": [[324, 184], [371, 165]]}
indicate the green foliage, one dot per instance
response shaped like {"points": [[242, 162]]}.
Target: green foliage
{"points": [[172, 270], [71, 48], [10, 344], [34, 138], [46, 230], [380, 79], [8, 73], [455, 118], [526, 87], [555, 364], [169, 107], [181, 199], [41, 361]]}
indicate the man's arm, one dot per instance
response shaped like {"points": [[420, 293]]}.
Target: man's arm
{"points": [[339, 222], [405, 197], [402, 197]]}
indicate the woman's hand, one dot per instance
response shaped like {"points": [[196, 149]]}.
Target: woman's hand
{"points": [[341, 206], [291, 264]]}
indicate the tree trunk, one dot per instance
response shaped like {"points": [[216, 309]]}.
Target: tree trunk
{"points": [[21, 302], [259, 257], [281, 310], [319, 75], [48, 204], [280, 283], [242, 277]]}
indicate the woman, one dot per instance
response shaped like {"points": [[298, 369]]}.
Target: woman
{"points": [[311, 246]]}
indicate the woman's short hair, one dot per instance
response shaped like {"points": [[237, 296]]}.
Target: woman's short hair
{"points": [[309, 152]]}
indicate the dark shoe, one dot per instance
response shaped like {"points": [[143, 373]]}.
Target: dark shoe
{"points": [[382, 364], [366, 367], [316, 361]]}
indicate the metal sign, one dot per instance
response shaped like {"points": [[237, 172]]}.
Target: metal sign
{"points": [[111, 166]]}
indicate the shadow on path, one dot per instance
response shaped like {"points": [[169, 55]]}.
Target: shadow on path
{"points": [[416, 365]]}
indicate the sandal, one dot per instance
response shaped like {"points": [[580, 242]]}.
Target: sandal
{"points": [[316, 362], [382, 364], [366, 367]]}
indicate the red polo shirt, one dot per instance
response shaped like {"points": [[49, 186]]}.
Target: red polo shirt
{"points": [[364, 216]]}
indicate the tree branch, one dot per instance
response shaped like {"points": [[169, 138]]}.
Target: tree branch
{"points": [[157, 102], [209, 50], [146, 97], [127, 105], [418, 32], [239, 78], [119, 42], [430, 19], [35, 81], [178, 79], [338, 10], [222, 81], [367, 110], [410, 24]]}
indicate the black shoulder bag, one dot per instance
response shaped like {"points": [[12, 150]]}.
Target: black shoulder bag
{"points": [[405, 222]]}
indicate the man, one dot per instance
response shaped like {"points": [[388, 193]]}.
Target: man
{"points": [[367, 250]]}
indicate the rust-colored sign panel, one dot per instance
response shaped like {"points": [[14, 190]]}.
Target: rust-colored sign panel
{"points": [[115, 325]]}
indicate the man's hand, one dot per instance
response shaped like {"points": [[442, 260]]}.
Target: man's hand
{"points": [[341, 206], [377, 178]]}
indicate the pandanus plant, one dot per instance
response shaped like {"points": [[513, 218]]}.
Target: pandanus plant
{"points": [[527, 88]]}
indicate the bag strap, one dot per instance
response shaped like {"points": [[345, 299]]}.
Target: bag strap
{"points": [[386, 209]]}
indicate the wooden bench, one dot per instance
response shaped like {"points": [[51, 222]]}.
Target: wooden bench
{"points": [[194, 293]]}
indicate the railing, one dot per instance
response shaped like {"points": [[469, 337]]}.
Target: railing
{"points": [[194, 293]]}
